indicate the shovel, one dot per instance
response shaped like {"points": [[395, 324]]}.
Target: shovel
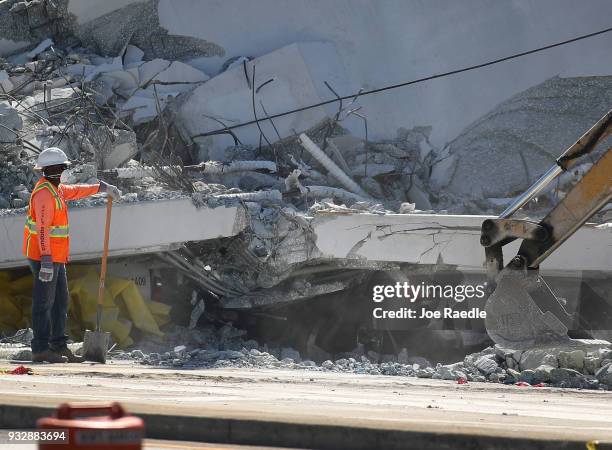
{"points": [[95, 343]]}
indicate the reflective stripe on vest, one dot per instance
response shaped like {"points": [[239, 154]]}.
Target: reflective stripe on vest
{"points": [[28, 240], [58, 231], [48, 185]]}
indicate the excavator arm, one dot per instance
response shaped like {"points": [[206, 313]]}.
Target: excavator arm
{"points": [[522, 310]]}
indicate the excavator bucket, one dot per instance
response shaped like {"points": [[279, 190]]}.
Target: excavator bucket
{"points": [[523, 313]]}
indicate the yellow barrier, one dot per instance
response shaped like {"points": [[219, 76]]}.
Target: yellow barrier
{"points": [[15, 302], [125, 309]]}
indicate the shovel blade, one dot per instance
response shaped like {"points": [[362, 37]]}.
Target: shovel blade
{"points": [[95, 346]]}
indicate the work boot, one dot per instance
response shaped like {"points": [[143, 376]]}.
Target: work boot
{"points": [[67, 353], [48, 356]]}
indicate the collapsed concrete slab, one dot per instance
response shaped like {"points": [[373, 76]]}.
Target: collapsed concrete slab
{"points": [[425, 238], [506, 150], [409, 238], [287, 78], [154, 230]]}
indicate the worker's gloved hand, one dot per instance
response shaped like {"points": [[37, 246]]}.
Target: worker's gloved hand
{"points": [[110, 190], [46, 269]]}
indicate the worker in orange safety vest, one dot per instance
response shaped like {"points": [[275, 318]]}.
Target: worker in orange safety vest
{"points": [[46, 244]]}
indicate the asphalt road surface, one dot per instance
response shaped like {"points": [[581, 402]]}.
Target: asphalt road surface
{"points": [[307, 397]]}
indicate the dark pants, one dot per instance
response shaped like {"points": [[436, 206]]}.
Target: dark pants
{"points": [[49, 309]]}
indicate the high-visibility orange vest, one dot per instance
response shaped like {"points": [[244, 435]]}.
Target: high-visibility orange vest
{"points": [[58, 231]]}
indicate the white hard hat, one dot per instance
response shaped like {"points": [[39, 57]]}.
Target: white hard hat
{"points": [[50, 157]]}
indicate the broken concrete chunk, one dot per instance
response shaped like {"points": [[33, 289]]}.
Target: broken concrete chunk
{"points": [[44, 45], [604, 375], [143, 105], [33, 66], [125, 81], [22, 355], [120, 149], [591, 364], [531, 359], [542, 374], [450, 372], [298, 72], [132, 55], [496, 377], [415, 140], [418, 195], [180, 349], [605, 353], [428, 372], [9, 118], [178, 77], [486, 364], [528, 376], [5, 83], [327, 364], [114, 65], [567, 377], [150, 69], [57, 101], [512, 376], [323, 192], [442, 170], [23, 194], [137, 354], [82, 173], [407, 208], [572, 360]]}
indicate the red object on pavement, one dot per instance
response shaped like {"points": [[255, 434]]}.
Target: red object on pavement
{"points": [[93, 427], [21, 370], [539, 385], [522, 384], [462, 381]]}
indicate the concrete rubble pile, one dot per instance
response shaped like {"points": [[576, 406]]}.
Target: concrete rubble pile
{"points": [[588, 368], [115, 85], [105, 111], [215, 347]]}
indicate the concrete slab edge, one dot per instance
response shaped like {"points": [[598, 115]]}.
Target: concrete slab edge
{"points": [[287, 434]]}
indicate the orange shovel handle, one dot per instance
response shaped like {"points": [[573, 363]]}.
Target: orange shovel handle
{"points": [[109, 207]]}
